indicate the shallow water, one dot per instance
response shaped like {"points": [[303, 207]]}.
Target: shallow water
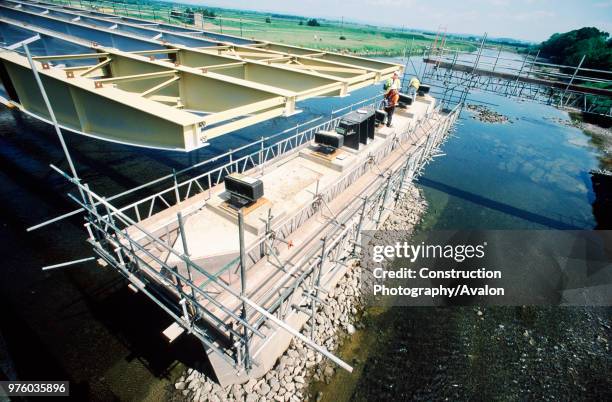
{"points": [[530, 173]]}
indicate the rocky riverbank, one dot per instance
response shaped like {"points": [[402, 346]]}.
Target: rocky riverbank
{"points": [[601, 137], [336, 322], [486, 114]]}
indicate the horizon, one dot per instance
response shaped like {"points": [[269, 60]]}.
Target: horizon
{"points": [[524, 20]]}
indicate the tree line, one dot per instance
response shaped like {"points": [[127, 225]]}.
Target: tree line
{"points": [[569, 47]]}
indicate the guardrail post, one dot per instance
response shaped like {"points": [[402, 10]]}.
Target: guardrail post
{"points": [[383, 201], [243, 288], [360, 224], [176, 190], [317, 282], [183, 235]]}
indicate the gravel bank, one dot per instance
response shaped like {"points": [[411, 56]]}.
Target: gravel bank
{"points": [[487, 115], [299, 366], [601, 137]]}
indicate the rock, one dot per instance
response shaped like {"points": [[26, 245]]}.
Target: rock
{"points": [[329, 371], [180, 385], [248, 387], [299, 378], [236, 392], [289, 361], [274, 384], [350, 329], [264, 389]]}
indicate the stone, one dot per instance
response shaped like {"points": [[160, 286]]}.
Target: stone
{"points": [[249, 385], [180, 385], [264, 389], [274, 384], [236, 392], [350, 329], [299, 378]]}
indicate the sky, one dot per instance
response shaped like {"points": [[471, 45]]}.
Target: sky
{"points": [[533, 20]]}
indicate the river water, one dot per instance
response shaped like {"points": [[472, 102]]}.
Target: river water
{"points": [[529, 173], [82, 324]]}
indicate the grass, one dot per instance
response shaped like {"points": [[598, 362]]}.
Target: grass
{"points": [[360, 39]]}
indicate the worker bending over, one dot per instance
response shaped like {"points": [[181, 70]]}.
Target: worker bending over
{"points": [[413, 87], [391, 99]]}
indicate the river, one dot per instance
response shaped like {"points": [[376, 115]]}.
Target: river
{"points": [[528, 173], [81, 323]]}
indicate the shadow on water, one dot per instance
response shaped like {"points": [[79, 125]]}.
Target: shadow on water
{"points": [[137, 324], [496, 205], [602, 204]]}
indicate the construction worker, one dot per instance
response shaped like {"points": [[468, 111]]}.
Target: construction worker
{"points": [[393, 83], [413, 87], [391, 99]]}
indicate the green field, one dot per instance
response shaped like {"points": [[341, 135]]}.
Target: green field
{"points": [[360, 39]]}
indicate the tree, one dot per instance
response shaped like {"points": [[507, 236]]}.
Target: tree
{"points": [[313, 23], [569, 47], [301, 23], [268, 20], [208, 13]]}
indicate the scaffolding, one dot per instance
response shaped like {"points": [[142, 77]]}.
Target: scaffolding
{"points": [[120, 241], [455, 73]]}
